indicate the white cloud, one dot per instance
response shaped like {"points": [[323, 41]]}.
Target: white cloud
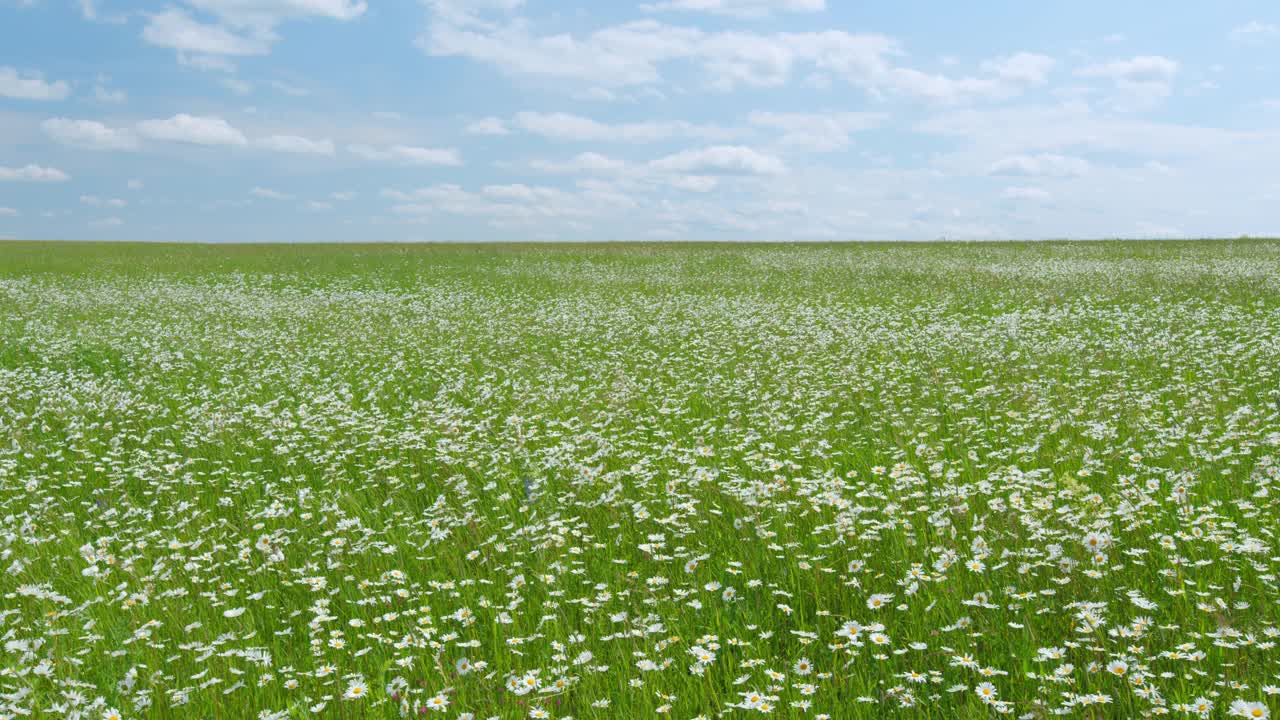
{"points": [[488, 126], [1029, 130], [693, 183], [134, 185], [1000, 81], [468, 12], [738, 8], [30, 85], [565, 126], [587, 162], [1021, 68], [236, 85], [632, 53], [408, 155], [197, 130], [1253, 32], [1020, 192], [817, 132], [1002, 77], [1142, 80], [33, 173], [175, 29], [89, 11], [1045, 164], [722, 159], [317, 205], [103, 94], [8, 212], [241, 27], [1144, 68], [296, 144], [290, 89], [211, 63], [342, 196], [269, 194], [89, 134], [107, 222], [635, 53], [510, 205], [1194, 177], [269, 13], [98, 202]]}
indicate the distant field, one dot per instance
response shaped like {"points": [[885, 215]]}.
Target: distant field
{"points": [[628, 481]]}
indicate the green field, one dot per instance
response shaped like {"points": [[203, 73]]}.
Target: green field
{"points": [[627, 481]]}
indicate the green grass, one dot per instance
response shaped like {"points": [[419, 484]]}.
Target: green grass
{"points": [[394, 457]]}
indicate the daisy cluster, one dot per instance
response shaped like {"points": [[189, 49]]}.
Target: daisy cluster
{"points": [[694, 482]]}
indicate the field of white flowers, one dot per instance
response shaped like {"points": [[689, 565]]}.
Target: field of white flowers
{"points": [[597, 482]]}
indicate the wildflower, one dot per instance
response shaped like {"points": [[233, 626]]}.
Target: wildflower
{"points": [[356, 689], [986, 692], [1246, 709]]}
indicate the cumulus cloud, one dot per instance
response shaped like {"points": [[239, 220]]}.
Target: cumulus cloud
{"points": [[295, 144], [488, 126], [1045, 164], [637, 54], [738, 8], [1002, 78], [633, 53], [587, 162], [88, 134], [107, 222], [238, 28], [569, 127], [721, 159], [33, 173], [693, 183], [408, 154], [30, 85], [268, 13], [8, 212], [103, 94], [193, 129], [176, 29], [1144, 68], [1022, 68], [818, 132], [510, 205], [1142, 80]]}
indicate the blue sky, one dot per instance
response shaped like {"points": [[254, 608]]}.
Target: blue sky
{"points": [[347, 120]]}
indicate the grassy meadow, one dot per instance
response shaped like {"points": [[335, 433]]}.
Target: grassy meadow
{"points": [[636, 481]]}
